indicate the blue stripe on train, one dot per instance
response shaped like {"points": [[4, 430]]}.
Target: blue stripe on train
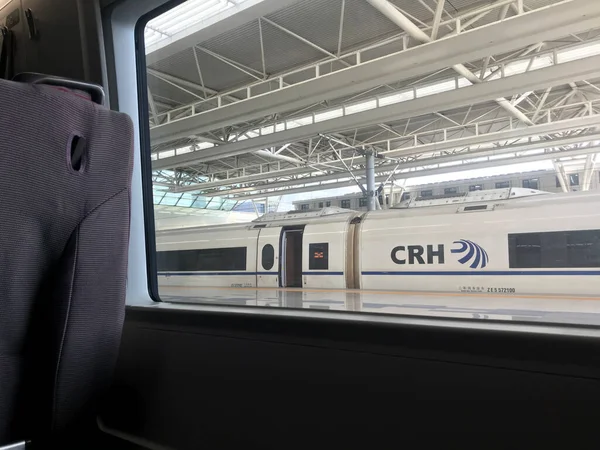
{"points": [[492, 272], [322, 273], [407, 273], [189, 274], [181, 274]]}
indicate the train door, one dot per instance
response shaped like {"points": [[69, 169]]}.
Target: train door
{"points": [[267, 257], [291, 257]]}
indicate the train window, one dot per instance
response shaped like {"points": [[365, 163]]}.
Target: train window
{"points": [[318, 256], [532, 183], [202, 260], [475, 208], [557, 249], [268, 257], [222, 150], [573, 179]]}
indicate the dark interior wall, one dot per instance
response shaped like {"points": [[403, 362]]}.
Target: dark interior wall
{"points": [[62, 47], [199, 379]]}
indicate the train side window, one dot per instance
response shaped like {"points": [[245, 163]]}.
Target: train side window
{"points": [[583, 248], [362, 202], [502, 184], [559, 249], [533, 183], [427, 193], [574, 179], [203, 260], [318, 256], [525, 251], [475, 187], [345, 204], [451, 191], [268, 257]]}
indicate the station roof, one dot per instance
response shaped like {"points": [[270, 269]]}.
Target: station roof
{"points": [[257, 98]]}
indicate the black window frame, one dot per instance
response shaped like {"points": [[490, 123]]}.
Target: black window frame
{"points": [[573, 179], [451, 190], [224, 259], [362, 202], [269, 258], [304, 206], [502, 185], [318, 263], [475, 187], [346, 202], [527, 183], [554, 250], [429, 193]]}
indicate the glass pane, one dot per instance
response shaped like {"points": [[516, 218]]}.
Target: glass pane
{"points": [[262, 148]]}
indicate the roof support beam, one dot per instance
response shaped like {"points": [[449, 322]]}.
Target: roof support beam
{"points": [[153, 109], [289, 159], [422, 172], [392, 13], [561, 175], [437, 19], [500, 37], [588, 172], [450, 145], [551, 76], [214, 26], [426, 161]]}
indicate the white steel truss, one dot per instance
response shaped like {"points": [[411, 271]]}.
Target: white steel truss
{"points": [[292, 131], [526, 28]]}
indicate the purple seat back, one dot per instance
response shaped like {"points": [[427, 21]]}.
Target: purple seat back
{"points": [[65, 171]]}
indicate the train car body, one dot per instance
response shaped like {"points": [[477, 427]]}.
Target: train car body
{"points": [[296, 249], [535, 244], [505, 241]]}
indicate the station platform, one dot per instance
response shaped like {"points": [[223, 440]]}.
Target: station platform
{"points": [[531, 308]]}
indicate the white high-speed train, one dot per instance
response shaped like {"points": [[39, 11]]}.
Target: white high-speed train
{"points": [[504, 241]]}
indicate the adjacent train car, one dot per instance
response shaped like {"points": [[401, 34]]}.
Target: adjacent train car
{"points": [[295, 249], [504, 241], [512, 242]]}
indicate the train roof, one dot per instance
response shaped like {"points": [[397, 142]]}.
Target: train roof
{"points": [[471, 197], [289, 218], [512, 198], [488, 200]]}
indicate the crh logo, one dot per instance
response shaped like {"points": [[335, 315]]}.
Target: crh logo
{"points": [[468, 252], [472, 252]]}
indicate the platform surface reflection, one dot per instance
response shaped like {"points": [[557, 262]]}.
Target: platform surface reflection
{"points": [[573, 310]]}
